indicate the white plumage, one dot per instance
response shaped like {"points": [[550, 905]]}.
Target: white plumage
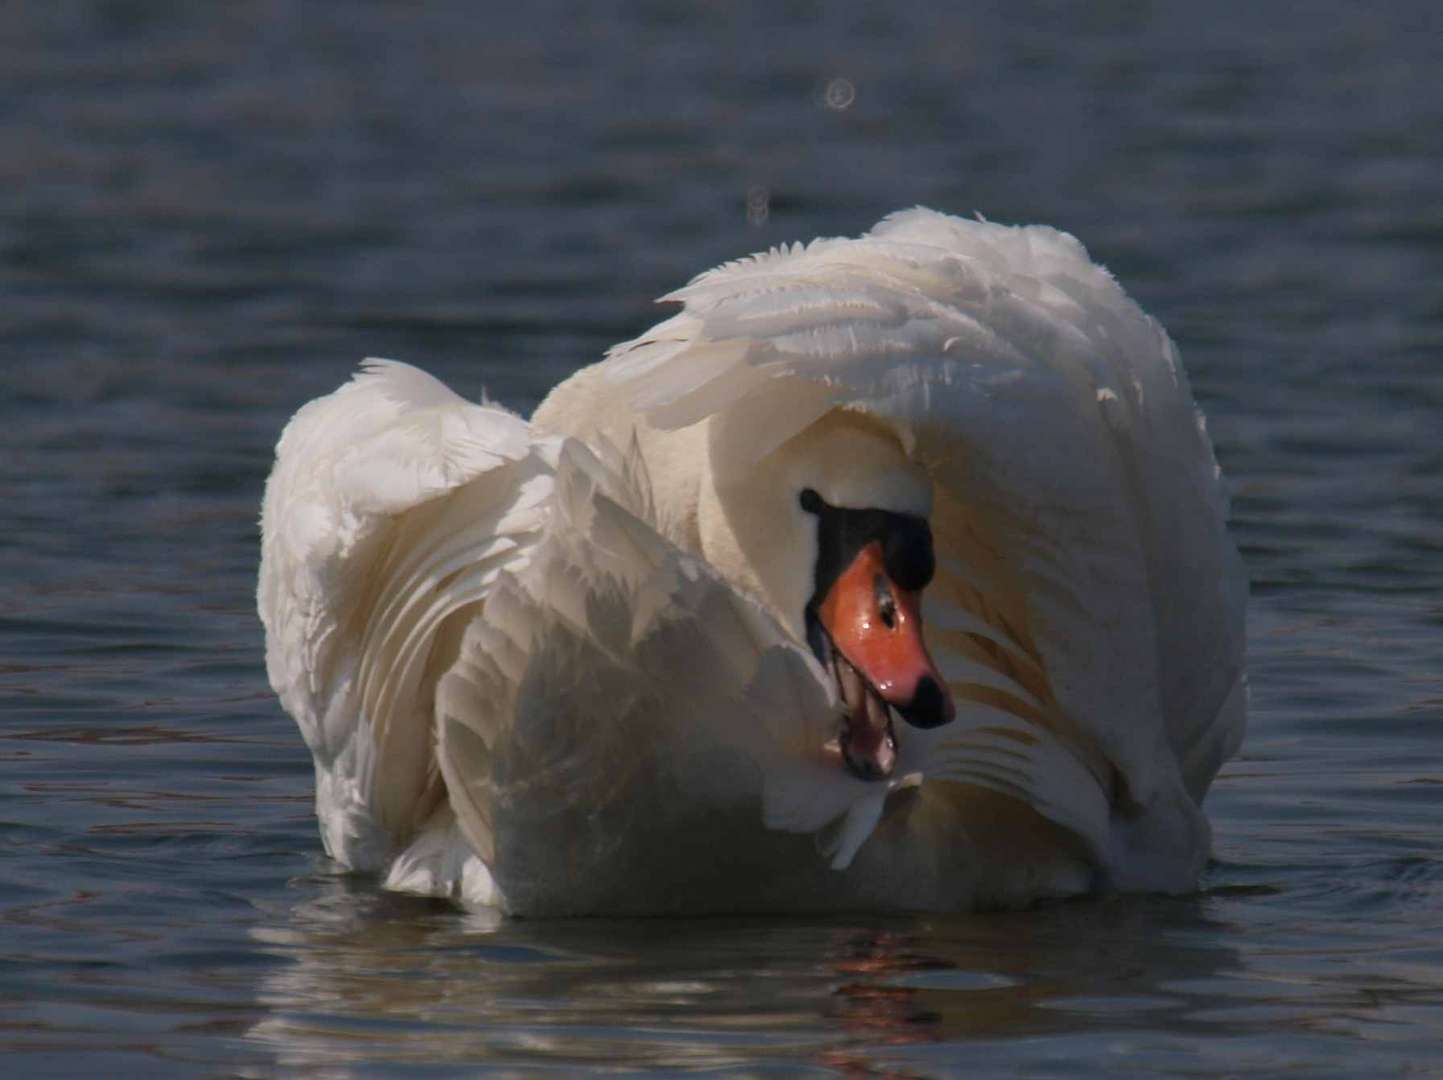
{"points": [[560, 666]]}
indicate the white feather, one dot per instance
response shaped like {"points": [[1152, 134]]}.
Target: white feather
{"points": [[556, 666]]}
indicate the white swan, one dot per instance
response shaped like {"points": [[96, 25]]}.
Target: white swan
{"points": [[659, 649]]}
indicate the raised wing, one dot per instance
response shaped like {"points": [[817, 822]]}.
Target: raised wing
{"points": [[393, 506], [1087, 587], [514, 688]]}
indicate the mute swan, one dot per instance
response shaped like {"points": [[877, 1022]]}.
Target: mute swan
{"points": [[662, 648]]}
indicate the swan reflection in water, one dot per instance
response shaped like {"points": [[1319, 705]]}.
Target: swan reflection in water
{"points": [[373, 977]]}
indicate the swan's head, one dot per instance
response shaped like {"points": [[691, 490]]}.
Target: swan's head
{"points": [[832, 529]]}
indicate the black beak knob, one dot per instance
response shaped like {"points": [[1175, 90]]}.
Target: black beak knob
{"points": [[928, 707]]}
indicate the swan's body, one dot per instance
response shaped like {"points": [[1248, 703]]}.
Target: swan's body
{"points": [[563, 666]]}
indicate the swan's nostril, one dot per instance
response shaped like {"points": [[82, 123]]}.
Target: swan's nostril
{"points": [[930, 706]]}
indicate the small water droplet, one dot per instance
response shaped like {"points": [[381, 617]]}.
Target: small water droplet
{"points": [[839, 93], [759, 205]]}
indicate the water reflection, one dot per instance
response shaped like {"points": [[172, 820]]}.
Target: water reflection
{"points": [[367, 976]]}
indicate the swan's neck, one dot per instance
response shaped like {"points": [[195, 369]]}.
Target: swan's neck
{"points": [[751, 523], [722, 492], [589, 407]]}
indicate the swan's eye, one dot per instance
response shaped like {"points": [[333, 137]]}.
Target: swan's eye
{"points": [[811, 502], [886, 605]]}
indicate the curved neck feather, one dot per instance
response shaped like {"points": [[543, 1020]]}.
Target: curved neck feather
{"points": [[752, 527]]}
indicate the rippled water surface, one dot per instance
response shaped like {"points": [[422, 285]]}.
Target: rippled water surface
{"points": [[209, 213]]}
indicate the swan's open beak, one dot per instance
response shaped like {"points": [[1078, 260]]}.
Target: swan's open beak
{"points": [[880, 662]]}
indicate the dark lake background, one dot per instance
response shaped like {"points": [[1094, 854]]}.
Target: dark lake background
{"points": [[210, 213]]}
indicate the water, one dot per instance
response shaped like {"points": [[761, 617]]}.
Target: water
{"points": [[208, 214]]}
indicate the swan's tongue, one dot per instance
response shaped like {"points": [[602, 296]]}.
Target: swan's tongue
{"points": [[867, 740]]}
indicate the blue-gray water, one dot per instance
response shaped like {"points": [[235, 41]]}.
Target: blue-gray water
{"points": [[209, 213]]}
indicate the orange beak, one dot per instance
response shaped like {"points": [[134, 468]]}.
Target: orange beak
{"points": [[876, 627]]}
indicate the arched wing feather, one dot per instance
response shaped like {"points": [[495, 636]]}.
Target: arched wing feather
{"points": [[1079, 510], [393, 506]]}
